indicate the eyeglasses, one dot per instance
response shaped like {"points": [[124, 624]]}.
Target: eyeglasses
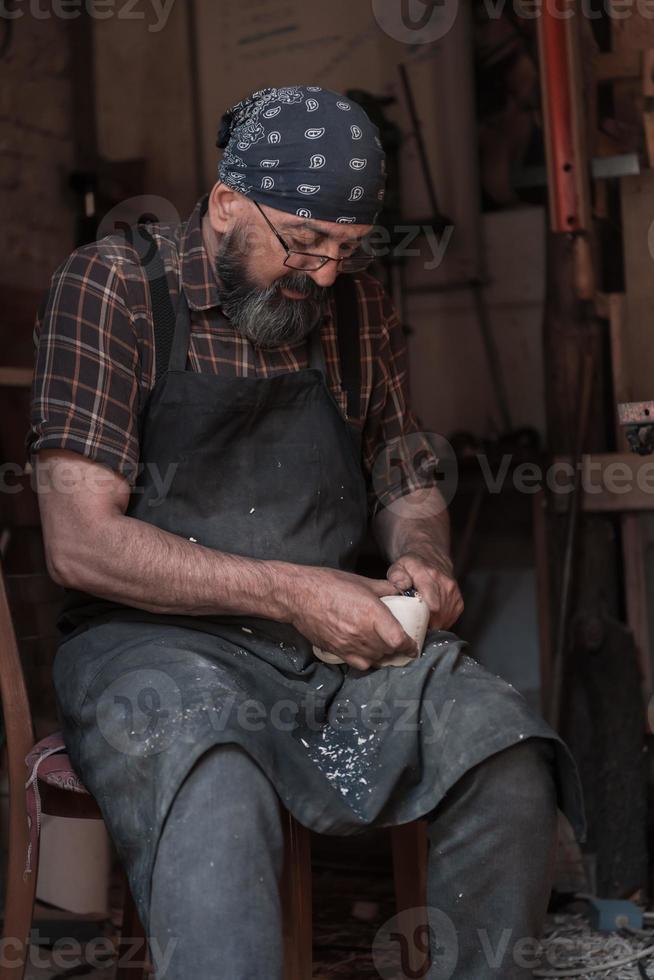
{"points": [[311, 261]]}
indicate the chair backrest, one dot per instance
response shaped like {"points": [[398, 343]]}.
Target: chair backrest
{"points": [[19, 735], [17, 716]]}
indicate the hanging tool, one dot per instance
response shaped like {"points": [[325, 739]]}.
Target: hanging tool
{"points": [[440, 222], [574, 505]]}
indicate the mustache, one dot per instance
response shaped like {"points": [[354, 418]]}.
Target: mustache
{"points": [[300, 282]]}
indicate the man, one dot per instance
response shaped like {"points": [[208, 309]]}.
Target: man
{"points": [[210, 442]]}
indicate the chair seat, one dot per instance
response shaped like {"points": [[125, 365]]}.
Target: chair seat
{"points": [[53, 765], [48, 762]]}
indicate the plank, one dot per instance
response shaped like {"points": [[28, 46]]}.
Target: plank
{"points": [[15, 377]]}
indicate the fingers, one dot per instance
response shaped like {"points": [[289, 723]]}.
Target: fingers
{"points": [[356, 661], [399, 577], [389, 639], [442, 595], [446, 615], [393, 636], [381, 587]]}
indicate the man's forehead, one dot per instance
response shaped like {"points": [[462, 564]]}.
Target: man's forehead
{"points": [[332, 229]]}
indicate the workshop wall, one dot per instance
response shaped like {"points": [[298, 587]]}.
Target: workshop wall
{"points": [[145, 110], [36, 231], [241, 47], [143, 95]]}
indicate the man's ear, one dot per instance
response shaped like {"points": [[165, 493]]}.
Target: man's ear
{"points": [[225, 207]]}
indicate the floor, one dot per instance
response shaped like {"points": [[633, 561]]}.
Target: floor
{"points": [[353, 898]]}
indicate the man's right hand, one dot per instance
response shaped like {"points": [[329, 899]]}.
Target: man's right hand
{"points": [[342, 614]]}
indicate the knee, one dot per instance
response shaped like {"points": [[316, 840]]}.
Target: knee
{"points": [[516, 784], [520, 779], [235, 793]]}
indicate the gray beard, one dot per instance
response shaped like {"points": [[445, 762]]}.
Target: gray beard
{"points": [[265, 316]]}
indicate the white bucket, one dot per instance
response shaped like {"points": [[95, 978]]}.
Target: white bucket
{"points": [[74, 864]]}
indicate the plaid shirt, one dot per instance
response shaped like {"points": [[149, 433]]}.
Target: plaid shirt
{"points": [[95, 354]]}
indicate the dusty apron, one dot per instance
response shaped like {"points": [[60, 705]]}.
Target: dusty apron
{"points": [[267, 468]]}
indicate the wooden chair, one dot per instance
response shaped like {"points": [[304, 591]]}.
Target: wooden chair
{"points": [[62, 794]]}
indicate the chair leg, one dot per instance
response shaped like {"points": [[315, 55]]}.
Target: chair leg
{"points": [[296, 901], [410, 847], [132, 948], [19, 896]]}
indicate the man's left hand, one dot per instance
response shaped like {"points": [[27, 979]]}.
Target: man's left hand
{"points": [[433, 579]]}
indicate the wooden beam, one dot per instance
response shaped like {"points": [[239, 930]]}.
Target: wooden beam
{"points": [[611, 482], [632, 528], [610, 66], [635, 584], [543, 597], [15, 377], [648, 73]]}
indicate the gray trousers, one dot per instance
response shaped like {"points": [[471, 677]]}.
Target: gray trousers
{"points": [[215, 911]]}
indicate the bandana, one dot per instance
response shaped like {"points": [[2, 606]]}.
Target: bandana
{"points": [[305, 150]]}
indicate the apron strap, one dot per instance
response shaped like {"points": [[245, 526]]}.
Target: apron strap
{"points": [[179, 353], [349, 342], [316, 352], [163, 313]]}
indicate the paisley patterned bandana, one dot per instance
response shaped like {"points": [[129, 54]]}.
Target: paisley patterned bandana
{"points": [[305, 150]]}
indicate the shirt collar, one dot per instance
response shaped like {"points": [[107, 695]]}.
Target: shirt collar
{"points": [[198, 278]]}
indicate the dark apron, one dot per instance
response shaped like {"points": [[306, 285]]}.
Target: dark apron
{"points": [[270, 469]]}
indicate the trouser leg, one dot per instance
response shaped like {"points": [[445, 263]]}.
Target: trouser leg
{"points": [[215, 908], [491, 861]]}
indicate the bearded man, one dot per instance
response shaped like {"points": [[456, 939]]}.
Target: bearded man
{"points": [[219, 411]]}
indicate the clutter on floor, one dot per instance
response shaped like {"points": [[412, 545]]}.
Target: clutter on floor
{"points": [[353, 898]]}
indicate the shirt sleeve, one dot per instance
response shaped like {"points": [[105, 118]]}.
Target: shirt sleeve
{"points": [[85, 387], [398, 456]]}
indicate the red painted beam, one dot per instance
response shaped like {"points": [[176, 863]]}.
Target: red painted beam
{"points": [[557, 103]]}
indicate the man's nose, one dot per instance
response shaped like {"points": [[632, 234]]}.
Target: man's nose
{"points": [[326, 276]]}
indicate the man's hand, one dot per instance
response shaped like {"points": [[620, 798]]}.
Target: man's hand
{"points": [[342, 614], [432, 578]]}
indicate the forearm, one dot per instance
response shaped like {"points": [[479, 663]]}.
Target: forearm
{"points": [[133, 562], [418, 523]]}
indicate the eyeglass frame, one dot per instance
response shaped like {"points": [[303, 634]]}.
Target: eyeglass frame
{"points": [[294, 251]]}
